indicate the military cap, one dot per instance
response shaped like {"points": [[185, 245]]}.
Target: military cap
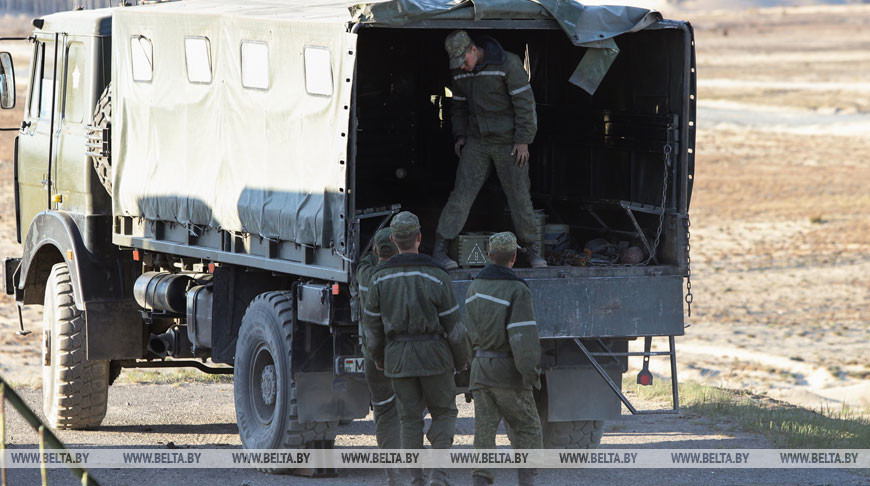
{"points": [[503, 243], [456, 44], [405, 224], [385, 245]]}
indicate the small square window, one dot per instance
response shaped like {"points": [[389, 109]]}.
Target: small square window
{"points": [[142, 57], [318, 71], [197, 54], [255, 65]]}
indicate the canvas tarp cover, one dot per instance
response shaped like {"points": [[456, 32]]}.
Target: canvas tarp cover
{"points": [[265, 162], [591, 26]]}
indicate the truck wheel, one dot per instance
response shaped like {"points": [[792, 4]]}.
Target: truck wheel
{"points": [[265, 393], [103, 119], [579, 434], [75, 390]]}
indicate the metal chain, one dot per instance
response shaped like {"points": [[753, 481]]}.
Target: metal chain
{"points": [[689, 296], [667, 165]]}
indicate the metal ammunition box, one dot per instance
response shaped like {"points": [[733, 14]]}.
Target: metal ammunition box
{"points": [[470, 250]]}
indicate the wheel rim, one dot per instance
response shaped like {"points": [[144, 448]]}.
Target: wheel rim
{"points": [[264, 385]]}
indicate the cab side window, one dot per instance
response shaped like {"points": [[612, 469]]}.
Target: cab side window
{"points": [[43, 81]]}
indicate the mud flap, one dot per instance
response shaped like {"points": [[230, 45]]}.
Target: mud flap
{"points": [[581, 394], [324, 397], [114, 330]]}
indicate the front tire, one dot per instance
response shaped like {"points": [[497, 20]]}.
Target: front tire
{"points": [[75, 390], [264, 389]]}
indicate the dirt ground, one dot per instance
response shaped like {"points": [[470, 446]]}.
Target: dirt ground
{"points": [[137, 417], [780, 232]]}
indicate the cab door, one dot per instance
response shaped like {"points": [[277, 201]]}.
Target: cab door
{"points": [[71, 170], [34, 168]]}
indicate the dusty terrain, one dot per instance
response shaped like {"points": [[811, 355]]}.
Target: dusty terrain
{"points": [[140, 418], [780, 230]]}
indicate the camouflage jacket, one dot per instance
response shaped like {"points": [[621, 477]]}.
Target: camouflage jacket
{"points": [[498, 308], [494, 102], [411, 295]]}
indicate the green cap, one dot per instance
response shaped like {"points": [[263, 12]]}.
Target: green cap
{"points": [[503, 243], [456, 44], [405, 224], [384, 244]]}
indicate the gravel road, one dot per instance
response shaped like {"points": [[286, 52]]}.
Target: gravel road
{"points": [[202, 415]]}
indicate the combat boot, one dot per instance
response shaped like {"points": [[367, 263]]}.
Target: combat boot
{"points": [[533, 255], [438, 477], [440, 254], [480, 481], [394, 477], [417, 477], [526, 477]]}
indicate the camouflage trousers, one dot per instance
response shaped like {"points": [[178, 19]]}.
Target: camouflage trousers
{"points": [[387, 427], [517, 408], [438, 394], [475, 165]]}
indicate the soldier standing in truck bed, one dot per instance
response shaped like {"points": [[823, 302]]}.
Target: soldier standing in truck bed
{"points": [[494, 121], [387, 427], [507, 354], [415, 333]]}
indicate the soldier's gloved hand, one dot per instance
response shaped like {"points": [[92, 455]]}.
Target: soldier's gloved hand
{"points": [[457, 147], [521, 150]]}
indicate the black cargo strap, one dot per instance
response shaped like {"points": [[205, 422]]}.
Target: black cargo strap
{"points": [[480, 353], [416, 337]]}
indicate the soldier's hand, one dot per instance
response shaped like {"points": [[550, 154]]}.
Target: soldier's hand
{"points": [[521, 150], [457, 147], [379, 365]]}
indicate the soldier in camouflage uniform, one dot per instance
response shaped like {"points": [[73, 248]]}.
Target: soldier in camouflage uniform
{"points": [[387, 427], [494, 121], [507, 354], [415, 333]]}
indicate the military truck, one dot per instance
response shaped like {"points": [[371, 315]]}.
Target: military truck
{"points": [[195, 182]]}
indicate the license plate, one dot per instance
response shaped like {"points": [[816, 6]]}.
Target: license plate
{"points": [[352, 365]]}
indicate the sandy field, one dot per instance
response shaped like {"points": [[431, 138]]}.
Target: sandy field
{"points": [[780, 231]]}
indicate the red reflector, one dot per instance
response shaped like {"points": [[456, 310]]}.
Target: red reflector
{"points": [[335, 289], [211, 268], [645, 380], [135, 255]]}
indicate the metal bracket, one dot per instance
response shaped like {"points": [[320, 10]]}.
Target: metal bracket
{"points": [[385, 212], [616, 389]]}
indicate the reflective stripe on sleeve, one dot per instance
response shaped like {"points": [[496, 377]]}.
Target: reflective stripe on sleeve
{"points": [[520, 90], [487, 297], [370, 313], [448, 312], [384, 402], [520, 324]]}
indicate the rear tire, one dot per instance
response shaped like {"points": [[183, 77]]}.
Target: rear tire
{"points": [[579, 434], [75, 390], [265, 393], [576, 434]]}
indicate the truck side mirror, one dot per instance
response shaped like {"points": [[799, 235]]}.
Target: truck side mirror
{"points": [[7, 81]]}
